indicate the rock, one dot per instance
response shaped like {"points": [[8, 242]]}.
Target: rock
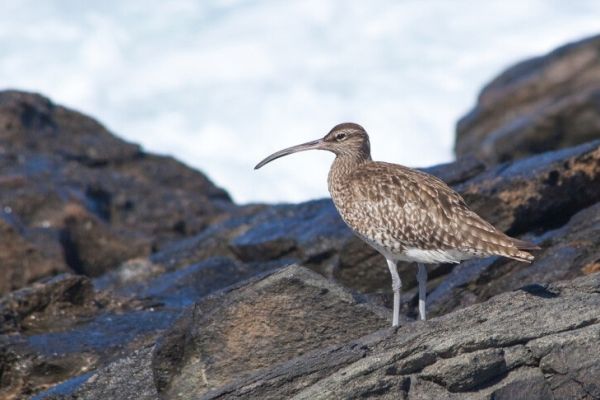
{"points": [[148, 196], [183, 286], [24, 259], [60, 328], [129, 377], [31, 363], [465, 372], [128, 277], [91, 247], [266, 322], [47, 305], [32, 122], [516, 344], [541, 104], [214, 241], [535, 194], [457, 171], [38, 311], [127, 203], [309, 231]]}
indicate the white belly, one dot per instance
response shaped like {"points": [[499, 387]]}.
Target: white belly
{"points": [[433, 256], [411, 254]]}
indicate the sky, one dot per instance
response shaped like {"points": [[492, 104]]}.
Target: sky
{"points": [[220, 84]]}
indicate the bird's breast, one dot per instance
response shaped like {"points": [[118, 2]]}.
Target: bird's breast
{"points": [[367, 219]]}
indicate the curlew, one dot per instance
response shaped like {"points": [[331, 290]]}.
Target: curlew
{"points": [[405, 214]]}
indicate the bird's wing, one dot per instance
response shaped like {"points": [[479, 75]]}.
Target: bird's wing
{"points": [[417, 210]]}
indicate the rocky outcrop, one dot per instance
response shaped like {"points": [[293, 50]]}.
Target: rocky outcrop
{"points": [[130, 275], [541, 104], [61, 328], [535, 194], [266, 322], [25, 257], [76, 198], [535, 343], [538, 342]]}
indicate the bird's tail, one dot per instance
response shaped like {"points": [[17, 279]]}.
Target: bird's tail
{"points": [[488, 240], [517, 251]]}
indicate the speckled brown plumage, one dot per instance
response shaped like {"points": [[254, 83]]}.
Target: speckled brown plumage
{"points": [[397, 209], [403, 213]]}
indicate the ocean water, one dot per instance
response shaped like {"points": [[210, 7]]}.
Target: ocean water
{"points": [[221, 84]]}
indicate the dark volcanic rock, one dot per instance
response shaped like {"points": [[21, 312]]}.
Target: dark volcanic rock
{"points": [[61, 328], [54, 160], [23, 259], [91, 247], [58, 301], [541, 104], [311, 232], [54, 330], [518, 344], [266, 322], [537, 193], [181, 287], [29, 121], [129, 378], [57, 304], [458, 171]]}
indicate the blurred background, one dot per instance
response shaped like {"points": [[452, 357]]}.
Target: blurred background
{"points": [[222, 84]]}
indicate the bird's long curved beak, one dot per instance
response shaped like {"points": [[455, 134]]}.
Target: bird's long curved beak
{"points": [[315, 144]]}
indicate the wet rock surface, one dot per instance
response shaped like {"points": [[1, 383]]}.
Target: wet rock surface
{"points": [[266, 322], [531, 343], [518, 344], [129, 275], [62, 327], [79, 199], [541, 104], [23, 258], [537, 193], [31, 308]]}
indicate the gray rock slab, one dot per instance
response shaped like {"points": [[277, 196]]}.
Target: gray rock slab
{"points": [[516, 345], [265, 322]]}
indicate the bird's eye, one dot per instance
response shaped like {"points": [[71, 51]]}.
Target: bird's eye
{"points": [[340, 136]]}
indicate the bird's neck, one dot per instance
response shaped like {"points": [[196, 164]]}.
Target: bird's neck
{"points": [[344, 165]]}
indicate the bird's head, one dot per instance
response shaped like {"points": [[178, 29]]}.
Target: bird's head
{"points": [[344, 140]]}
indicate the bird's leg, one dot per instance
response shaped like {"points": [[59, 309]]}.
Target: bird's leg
{"points": [[422, 279], [396, 287]]}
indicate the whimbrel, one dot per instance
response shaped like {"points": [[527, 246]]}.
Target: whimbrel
{"points": [[405, 214]]}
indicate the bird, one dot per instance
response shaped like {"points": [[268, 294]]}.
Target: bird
{"points": [[403, 213]]}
